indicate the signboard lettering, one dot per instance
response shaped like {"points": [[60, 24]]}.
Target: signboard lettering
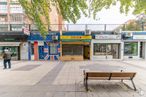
{"points": [[76, 37], [104, 37]]}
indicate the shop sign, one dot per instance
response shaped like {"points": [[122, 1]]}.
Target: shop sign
{"points": [[9, 43], [46, 50], [41, 43], [139, 36], [76, 37], [103, 37]]}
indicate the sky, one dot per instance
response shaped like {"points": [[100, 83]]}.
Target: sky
{"points": [[108, 16]]}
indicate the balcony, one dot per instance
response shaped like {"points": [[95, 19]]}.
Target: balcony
{"points": [[3, 19], [16, 19], [16, 9], [3, 9], [4, 27], [14, 1]]}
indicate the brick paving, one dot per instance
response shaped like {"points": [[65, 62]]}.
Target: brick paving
{"points": [[65, 79]]}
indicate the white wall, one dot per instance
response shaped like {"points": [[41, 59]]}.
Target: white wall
{"points": [[24, 51]]}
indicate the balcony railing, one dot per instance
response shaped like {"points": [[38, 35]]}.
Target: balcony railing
{"points": [[67, 27]]}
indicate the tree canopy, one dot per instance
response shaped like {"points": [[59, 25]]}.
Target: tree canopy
{"points": [[71, 10], [133, 25]]}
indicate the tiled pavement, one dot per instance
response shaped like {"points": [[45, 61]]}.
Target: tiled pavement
{"points": [[65, 79]]}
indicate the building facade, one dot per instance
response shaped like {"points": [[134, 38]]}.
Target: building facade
{"points": [[16, 42], [106, 46], [14, 24], [75, 45], [41, 48], [134, 44]]}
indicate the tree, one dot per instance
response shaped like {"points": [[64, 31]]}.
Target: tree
{"points": [[132, 25], [71, 10]]}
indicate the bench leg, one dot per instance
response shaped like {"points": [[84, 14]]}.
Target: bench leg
{"points": [[84, 81], [133, 85], [86, 84]]}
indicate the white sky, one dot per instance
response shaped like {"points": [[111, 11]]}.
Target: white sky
{"points": [[108, 16]]}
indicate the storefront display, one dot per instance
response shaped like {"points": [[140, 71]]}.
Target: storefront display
{"points": [[131, 48], [72, 50], [106, 50]]}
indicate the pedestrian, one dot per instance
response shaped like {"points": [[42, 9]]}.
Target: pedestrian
{"points": [[7, 58]]}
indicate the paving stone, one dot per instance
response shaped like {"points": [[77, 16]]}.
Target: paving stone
{"points": [[65, 79]]}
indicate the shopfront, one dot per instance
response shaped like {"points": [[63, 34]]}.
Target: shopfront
{"points": [[16, 43], [44, 49], [75, 46], [134, 44], [106, 47]]}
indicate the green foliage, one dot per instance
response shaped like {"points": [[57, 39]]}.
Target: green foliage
{"points": [[132, 26], [71, 10]]}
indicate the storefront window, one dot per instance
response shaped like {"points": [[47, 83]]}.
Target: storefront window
{"points": [[72, 50], [99, 49], [53, 48], [131, 48], [109, 50]]}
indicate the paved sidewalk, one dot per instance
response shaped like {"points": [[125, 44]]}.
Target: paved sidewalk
{"points": [[65, 79]]}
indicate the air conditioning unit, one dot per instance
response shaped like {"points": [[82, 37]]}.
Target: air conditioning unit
{"points": [[54, 37], [129, 34], [87, 32]]}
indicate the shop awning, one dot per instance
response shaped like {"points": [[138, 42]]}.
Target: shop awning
{"points": [[9, 43], [12, 36]]}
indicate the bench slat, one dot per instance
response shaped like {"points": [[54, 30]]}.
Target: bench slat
{"points": [[94, 74], [123, 74]]}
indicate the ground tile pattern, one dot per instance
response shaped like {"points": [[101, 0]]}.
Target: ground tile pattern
{"points": [[65, 79]]}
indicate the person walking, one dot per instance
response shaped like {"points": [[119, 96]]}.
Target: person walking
{"points": [[7, 58]]}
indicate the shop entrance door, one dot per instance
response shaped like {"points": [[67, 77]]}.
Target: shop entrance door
{"points": [[86, 52], [142, 50], [106, 50], [41, 52]]}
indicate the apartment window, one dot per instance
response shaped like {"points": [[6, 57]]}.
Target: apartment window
{"points": [[3, 0], [16, 18], [3, 18], [34, 28], [3, 27], [3, 8], [16, 9], [16, 27]]}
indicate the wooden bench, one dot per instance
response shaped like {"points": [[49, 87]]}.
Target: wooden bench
{"points": [[108, 76]]}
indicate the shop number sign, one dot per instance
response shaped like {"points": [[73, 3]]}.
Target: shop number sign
{"points": [[107, 37]]}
